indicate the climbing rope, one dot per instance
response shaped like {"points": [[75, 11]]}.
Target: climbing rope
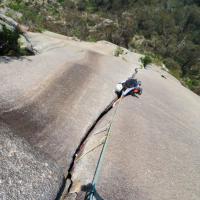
{"points": [[91, 194]]}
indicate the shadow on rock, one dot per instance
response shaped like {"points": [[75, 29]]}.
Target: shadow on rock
{"points": [[89, 189], [7, 59]]}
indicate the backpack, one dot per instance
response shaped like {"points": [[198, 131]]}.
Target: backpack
{"points": [[130, 83]]}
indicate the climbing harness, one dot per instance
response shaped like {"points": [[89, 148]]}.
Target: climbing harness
{"points": [[91, 194]]}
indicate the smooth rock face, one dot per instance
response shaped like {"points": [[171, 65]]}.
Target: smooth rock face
{"points": [[26, 173], [154, 148]]}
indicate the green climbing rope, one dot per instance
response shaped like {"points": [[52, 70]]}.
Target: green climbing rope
{"points": [[91, 194]]}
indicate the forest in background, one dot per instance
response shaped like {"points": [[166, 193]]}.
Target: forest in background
{"points": [[166, 30]]}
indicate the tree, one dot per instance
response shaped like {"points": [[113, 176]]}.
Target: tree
{"points": [[9, 41]]}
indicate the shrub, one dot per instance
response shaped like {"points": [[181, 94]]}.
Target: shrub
{"points": [[173, 66], [118, 51], [146, 60], [9, 41]]}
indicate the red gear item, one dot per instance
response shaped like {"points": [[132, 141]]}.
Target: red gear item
{"points": [[135, 90]]}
